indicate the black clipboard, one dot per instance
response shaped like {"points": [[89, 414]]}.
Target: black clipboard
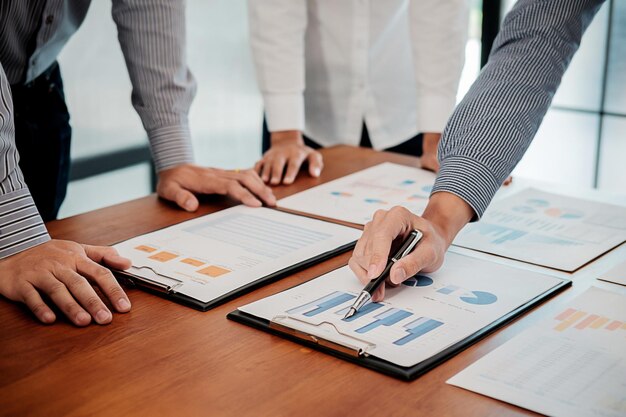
{"points": [[169, 292], [383, 366]]}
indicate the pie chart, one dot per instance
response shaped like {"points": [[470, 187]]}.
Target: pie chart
{"points": [[418, 281], [479, 298]]}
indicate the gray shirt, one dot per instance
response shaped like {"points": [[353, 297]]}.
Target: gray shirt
{"points": [[494, 124], [152, 36]]}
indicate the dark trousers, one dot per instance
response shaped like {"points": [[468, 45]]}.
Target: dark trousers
{"points": [[43, 135], [411, 147]]}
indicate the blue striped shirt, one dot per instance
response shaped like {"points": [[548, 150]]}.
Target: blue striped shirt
{"points": [[152, 36], [490, 130]]}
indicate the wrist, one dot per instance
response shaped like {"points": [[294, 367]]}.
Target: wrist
{"points": [[286, 137], [430, 142], [448, 213]]}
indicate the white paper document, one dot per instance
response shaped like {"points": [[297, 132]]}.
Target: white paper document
{"points": [[573, 364], [210, 256], [547, 229], [354, 198], [616, 275], [418, 319]]}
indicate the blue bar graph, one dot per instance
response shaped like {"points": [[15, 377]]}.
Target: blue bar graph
{"points": [[366, 309], [418, 328], [388, 318], [499, 234], [448, 290], [322, 304]]}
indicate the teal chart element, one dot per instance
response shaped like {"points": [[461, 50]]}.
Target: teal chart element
{"points": [[418, 328], [418, 281], [322, 304], [479, 298], [448, 289], [387, 318], [366, 309], [340, 194], [374, 201], [499, 234], [425, 193]]}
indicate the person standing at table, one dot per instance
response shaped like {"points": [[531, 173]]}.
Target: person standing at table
{"points": [[376, 73], [486, 136], [34, 122]]}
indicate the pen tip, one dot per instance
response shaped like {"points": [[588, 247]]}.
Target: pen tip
{"points": [[350, 313]]}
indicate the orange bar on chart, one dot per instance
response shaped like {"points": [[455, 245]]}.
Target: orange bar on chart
{"points": [[192, 262], [145, 248], [565, 314], [599, 323], [571, 320], [587, 321], [614, 325], [163, 256], [214, 271]]}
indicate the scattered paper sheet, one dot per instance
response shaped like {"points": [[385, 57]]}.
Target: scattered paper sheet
{"points": [[213, 255], [418, 319], [616, 275], [547, 229], [573, 364], [354, 198]]}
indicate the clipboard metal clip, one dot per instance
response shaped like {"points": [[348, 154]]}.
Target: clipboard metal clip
{"points": [[279, 323], [144, 281]]}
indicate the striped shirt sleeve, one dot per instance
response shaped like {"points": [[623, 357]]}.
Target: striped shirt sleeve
{"points": [[21, 226], [494, 124], [152, 37]]}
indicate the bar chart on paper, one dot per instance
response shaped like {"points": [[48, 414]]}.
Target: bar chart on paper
{"points": [[570, 365], [209, 256], [237, 242], [372, 317], [355, 198], [547, 229], [419, 319]]}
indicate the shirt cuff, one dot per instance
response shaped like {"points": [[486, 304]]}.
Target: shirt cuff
{"points": [[21, 226], [469, 180], [433, 113], [284, 112], [170, 146]]}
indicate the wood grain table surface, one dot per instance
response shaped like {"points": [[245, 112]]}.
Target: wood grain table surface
{"points": [[165, 359]]}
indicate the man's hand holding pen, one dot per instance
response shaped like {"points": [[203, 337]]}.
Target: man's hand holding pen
{"points": [[443, 218]]}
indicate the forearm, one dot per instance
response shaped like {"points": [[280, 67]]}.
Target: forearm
{"points": [[448, 213], [152, 37], [493, 126], [277, 30], [21, 226]]}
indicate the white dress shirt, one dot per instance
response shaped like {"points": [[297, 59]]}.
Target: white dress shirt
{"points": [[326, 66]]}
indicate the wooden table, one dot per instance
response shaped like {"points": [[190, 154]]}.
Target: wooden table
{"points": [[164, 359]]}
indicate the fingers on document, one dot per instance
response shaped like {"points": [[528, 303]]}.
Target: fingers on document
{"points": [[316, 164], [184, 198], [255, 187], [293, 167]]}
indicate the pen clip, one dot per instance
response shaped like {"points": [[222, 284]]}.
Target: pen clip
{"points": [[407, 247]]}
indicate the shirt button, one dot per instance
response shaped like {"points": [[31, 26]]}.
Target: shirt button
{"points": [[49, 19]]}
